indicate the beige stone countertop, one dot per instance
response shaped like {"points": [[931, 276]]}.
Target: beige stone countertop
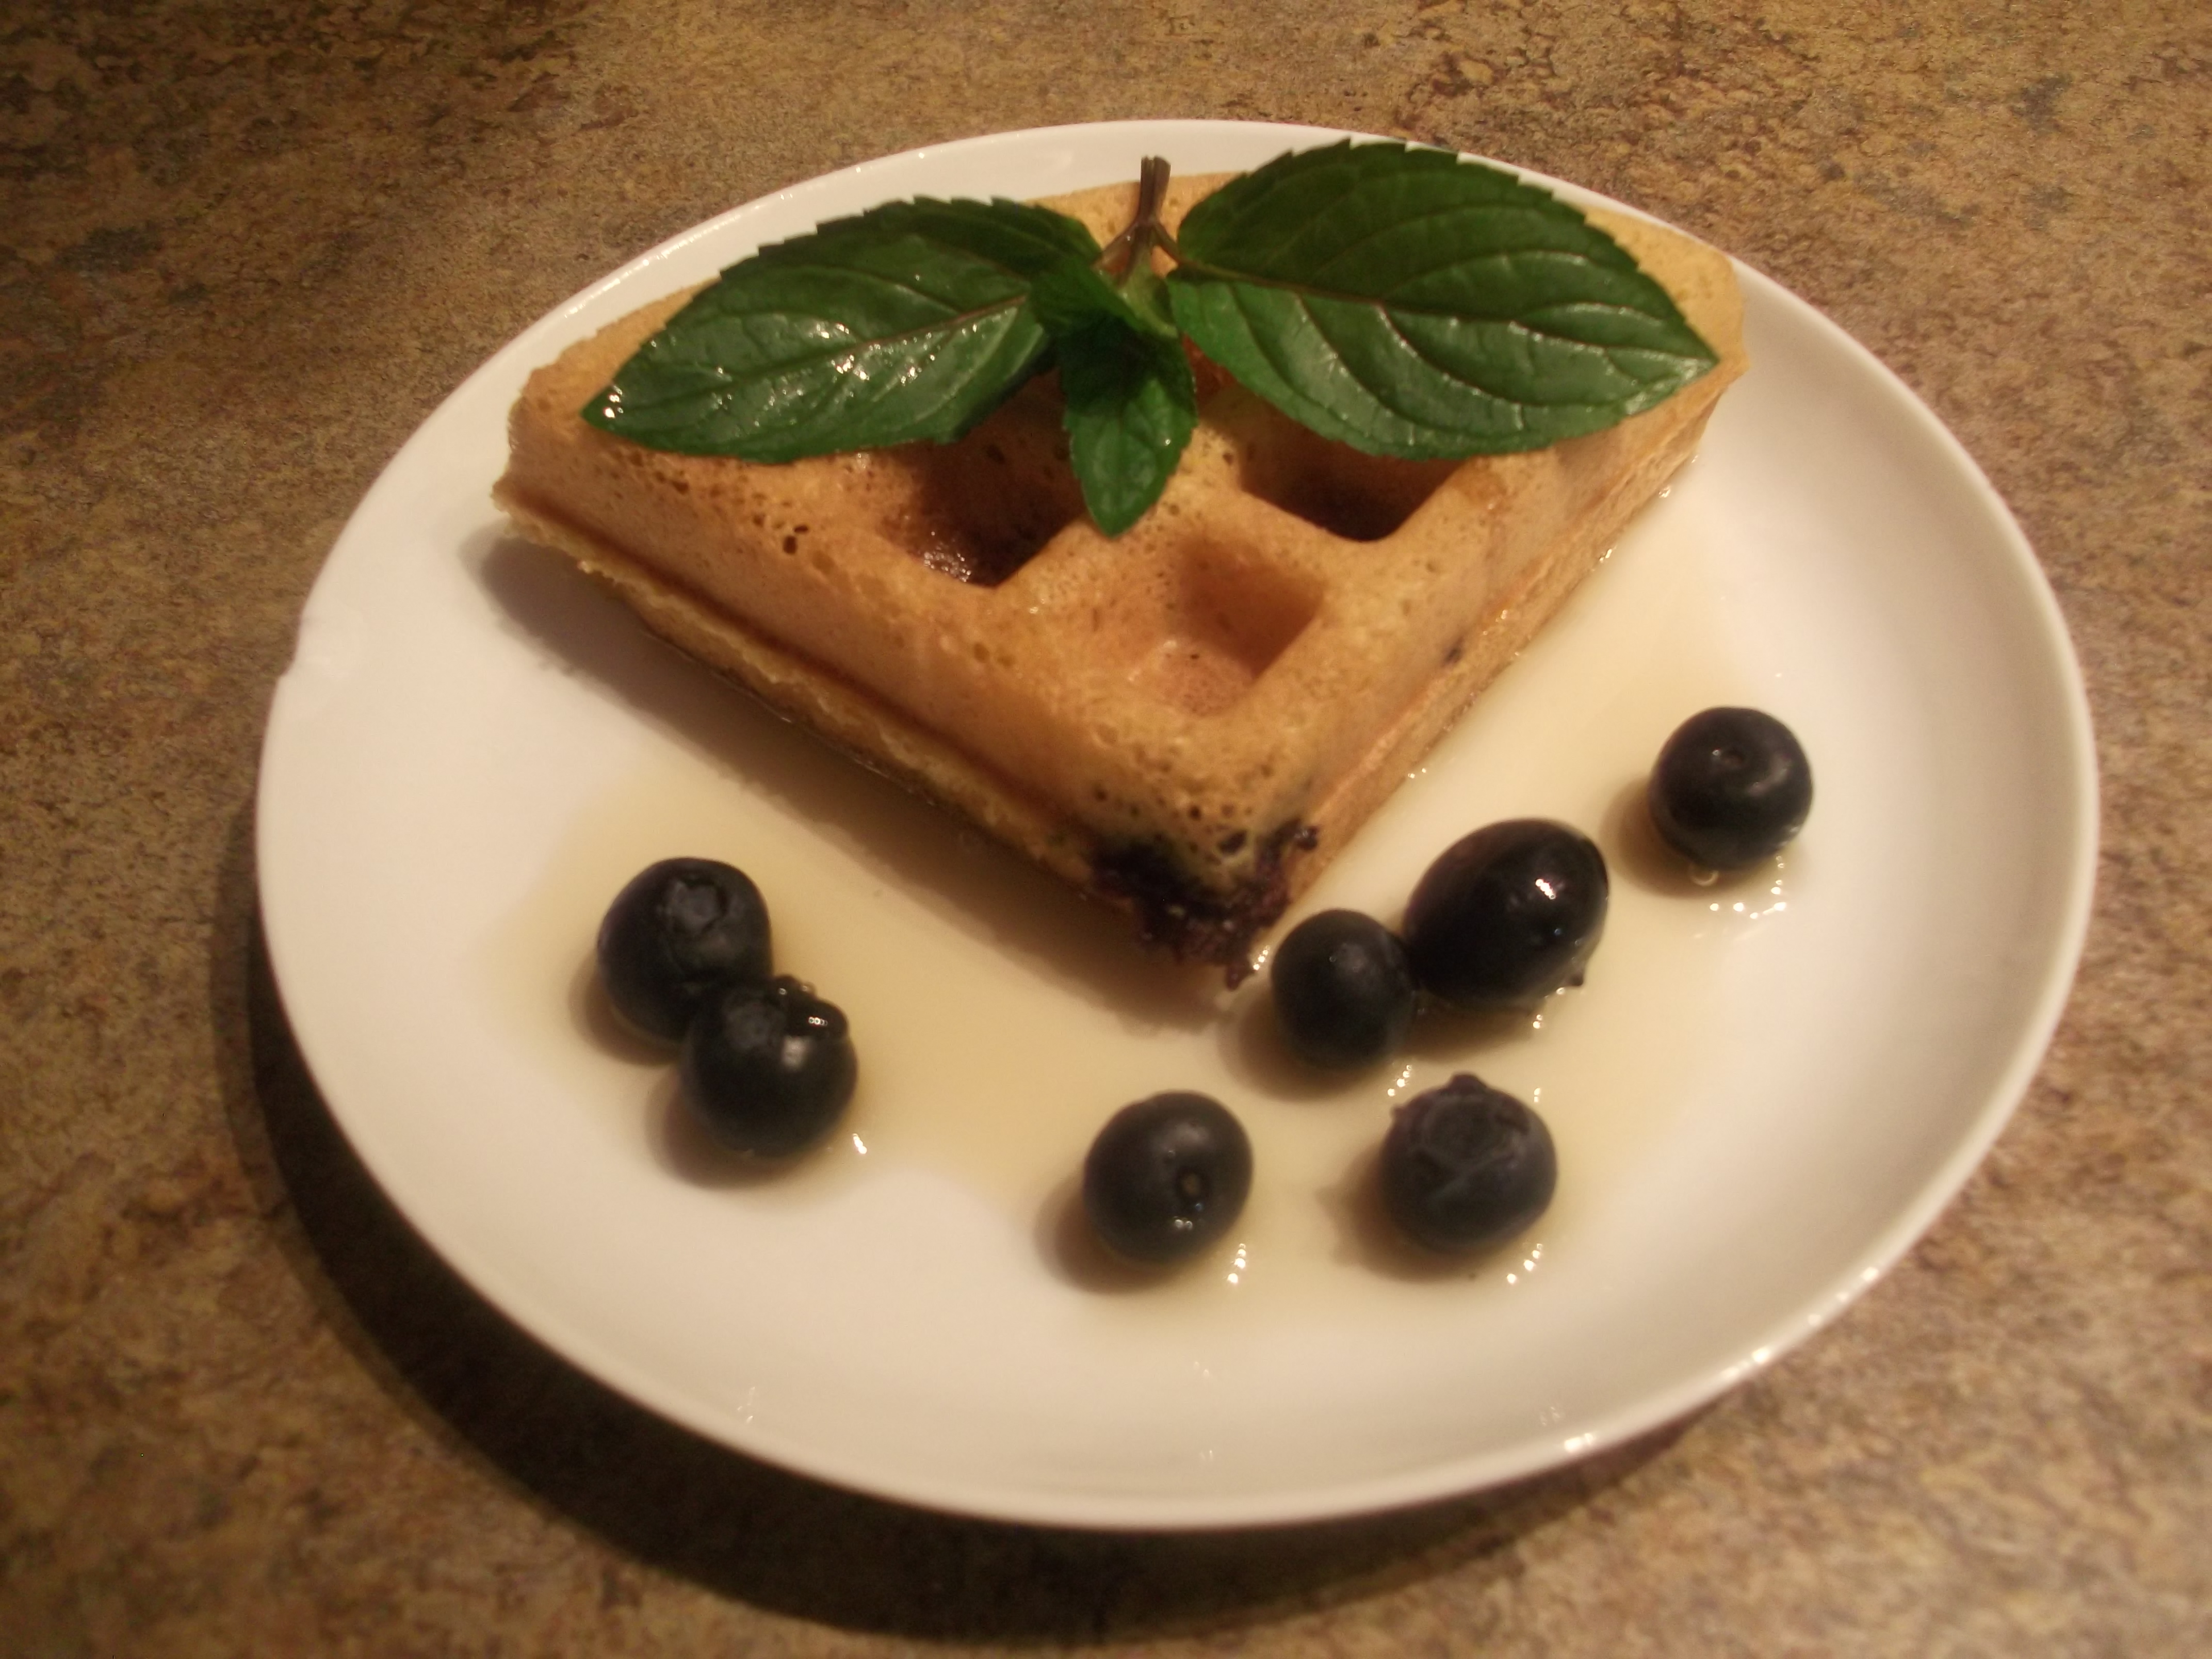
{"points": [[248, 247]]}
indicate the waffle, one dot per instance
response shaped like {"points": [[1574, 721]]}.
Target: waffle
{"points": [[1186, 721]]}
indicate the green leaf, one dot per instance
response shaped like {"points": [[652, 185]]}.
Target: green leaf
{"points": [[1132, 401], [907, 322], [1412, 304]]}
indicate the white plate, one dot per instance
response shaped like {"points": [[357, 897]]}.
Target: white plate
{"points": [[1766, 1091]]}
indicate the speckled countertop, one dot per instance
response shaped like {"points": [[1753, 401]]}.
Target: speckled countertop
{"points": [[247, 247]]}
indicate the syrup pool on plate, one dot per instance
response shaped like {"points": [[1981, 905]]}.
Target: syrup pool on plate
{"points": [[999, 1019]]}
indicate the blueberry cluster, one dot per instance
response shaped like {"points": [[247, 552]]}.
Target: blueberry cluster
{"points": [[1503, 918], [684, 952]]}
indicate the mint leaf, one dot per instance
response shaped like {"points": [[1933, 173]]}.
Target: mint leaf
{"points": [[907, 322], [1411, 304], [1131, 400]]}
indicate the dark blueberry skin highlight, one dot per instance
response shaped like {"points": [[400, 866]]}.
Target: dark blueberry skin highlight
{"points": [[1343, 989], [678, 930], [767, 1068], [1731, 787], [1465, 1166], [1166, 1177], [1507, 915]]}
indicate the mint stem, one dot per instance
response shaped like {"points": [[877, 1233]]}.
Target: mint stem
{"points": [[1145, 232]]}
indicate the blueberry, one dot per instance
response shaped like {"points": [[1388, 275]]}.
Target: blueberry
{"points": [[1344, 991], [678, 930], [1731, 787], [768, 1067], [1507, 915], [1465, 1166], [1166, 1177]]}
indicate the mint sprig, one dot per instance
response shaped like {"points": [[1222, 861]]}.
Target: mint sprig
{"points": [[1400, 300]]}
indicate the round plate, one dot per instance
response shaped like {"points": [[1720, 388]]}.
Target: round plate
{"points": [[1765, 1091]]}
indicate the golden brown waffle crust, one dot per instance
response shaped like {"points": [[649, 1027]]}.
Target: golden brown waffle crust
{"points": [[1186, 721]]}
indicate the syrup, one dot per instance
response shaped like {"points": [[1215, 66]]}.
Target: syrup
{"points": [[1001, 1019]]}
